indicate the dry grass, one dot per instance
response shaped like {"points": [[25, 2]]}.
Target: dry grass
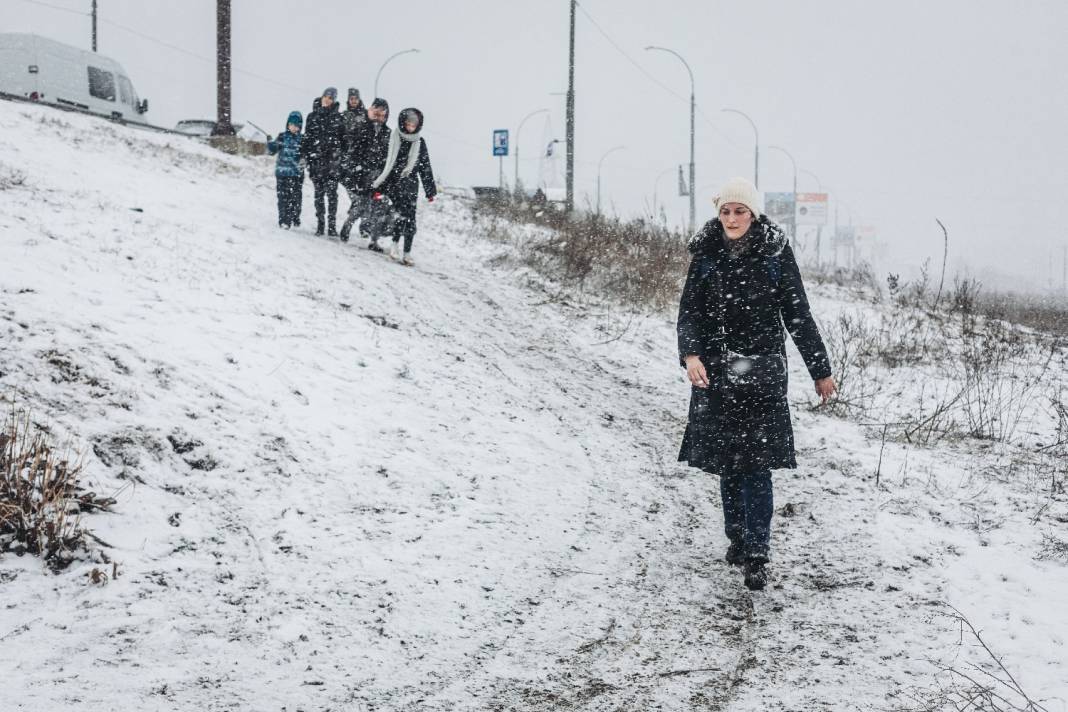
{"points": [[41, 498], [637, 263]]}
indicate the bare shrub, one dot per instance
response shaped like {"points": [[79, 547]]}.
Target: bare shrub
{"points": [[638, 262], [852, 344], [982, 686], [41, 498], [1000, 378]]}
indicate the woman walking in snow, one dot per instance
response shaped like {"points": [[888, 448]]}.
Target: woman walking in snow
{"points": [[743, 286], [407, 163]]}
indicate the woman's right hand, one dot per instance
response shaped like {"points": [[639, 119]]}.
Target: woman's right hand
{"points": [[695, 371]]}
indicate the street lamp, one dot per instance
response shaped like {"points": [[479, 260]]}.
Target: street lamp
{"points": [[606, 154], [756, 145], [656, 187], [693, 110], [814, 177], [793, 218], [377, 76], [531, 114]]}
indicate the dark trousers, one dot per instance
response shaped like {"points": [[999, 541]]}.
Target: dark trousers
{"points": [[747, 510], [290, 196], [360, 208], [325, 193], [404, 226]]}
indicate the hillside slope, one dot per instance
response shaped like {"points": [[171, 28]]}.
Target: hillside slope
{"points": [[344, 484]]}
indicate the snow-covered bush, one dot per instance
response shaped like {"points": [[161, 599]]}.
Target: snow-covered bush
{"points": [[41, 498]]}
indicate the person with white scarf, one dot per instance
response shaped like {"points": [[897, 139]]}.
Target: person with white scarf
{"points": [[407, 163]]}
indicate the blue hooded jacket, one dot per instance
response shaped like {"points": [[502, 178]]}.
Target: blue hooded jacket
{"points": [[287, 146]]}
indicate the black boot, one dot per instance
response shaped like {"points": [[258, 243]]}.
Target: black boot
{"points": [[332, 232], [734, 556], [756, 575], [320, 228]]}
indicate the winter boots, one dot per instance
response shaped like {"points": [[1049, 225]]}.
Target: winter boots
{"points": [[734, 556], [373, 246], [756, 574], [320, 228]]}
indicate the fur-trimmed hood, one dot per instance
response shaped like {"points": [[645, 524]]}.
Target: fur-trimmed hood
{"points": [[766, 237]]}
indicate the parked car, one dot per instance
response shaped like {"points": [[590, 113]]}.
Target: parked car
{"points": [[51, 72]]}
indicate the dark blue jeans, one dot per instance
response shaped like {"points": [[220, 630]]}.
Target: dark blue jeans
{"points": [[747, 510]]}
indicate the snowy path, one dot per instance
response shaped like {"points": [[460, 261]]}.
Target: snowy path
{"points": [[351, 485]]}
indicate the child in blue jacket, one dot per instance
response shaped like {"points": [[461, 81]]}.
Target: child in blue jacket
{"points": [[289, 171]]}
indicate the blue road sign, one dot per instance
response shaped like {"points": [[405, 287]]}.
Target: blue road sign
{"points": [[500, 142]]}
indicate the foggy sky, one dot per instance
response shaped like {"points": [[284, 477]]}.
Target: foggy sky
{"points": [[905, 110]]}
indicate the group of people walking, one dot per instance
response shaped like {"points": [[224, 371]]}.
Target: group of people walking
{"points": [[380, 168]]}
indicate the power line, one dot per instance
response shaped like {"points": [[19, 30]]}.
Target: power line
{"points": [[58, 7], [656, 81]]}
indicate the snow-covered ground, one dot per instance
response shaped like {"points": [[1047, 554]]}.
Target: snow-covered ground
{"points": [[349, 485]]}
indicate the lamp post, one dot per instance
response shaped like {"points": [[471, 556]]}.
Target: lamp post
{"points": [[693, 111], [813, 176], [656, 187], [756, 145], [531, 114], [793, 219], [379, 75], [599, 163], [819, 228]]}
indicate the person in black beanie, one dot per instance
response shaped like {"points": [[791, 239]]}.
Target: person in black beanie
{"points": [[370, 151], [324, 135], [353, 119]]}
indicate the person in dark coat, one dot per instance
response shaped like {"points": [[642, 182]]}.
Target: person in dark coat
{"points": [[353, 120], [369, 151], [742, 287], [287, 170], [407, 163], [321, 149]]}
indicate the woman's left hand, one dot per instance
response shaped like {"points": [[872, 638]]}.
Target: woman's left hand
{"points": [[825, 388]]}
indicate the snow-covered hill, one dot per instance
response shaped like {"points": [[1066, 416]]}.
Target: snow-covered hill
{"points": [[345, 484]]}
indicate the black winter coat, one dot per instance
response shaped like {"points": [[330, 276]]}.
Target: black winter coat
{"points": [[369, 152], [324, 137], [353, 122], [742, 304], [403, 191]]}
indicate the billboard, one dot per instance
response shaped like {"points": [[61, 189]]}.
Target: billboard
{"points": [[812, 209], [779, 207]]}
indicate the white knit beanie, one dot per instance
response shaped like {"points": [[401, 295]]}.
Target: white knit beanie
{"points": [[741, 190]]}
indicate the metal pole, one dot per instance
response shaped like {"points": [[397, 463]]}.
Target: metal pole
{"points": [[223, 125], [569, 203], [500, 181], [693, 165], [94, 25], [693, 131], [793, 218], [656, 186], [756, 144], [530, 115], [379, 75]]}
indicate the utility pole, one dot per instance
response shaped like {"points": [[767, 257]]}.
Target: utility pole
{"points": [[223, 123], [569, 205], [94, 25], [1064, 272]]}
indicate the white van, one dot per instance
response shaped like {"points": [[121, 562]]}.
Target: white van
{"points": [[51, 72]]}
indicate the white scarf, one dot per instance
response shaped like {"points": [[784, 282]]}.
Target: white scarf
{"points": [[394, 151]]}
